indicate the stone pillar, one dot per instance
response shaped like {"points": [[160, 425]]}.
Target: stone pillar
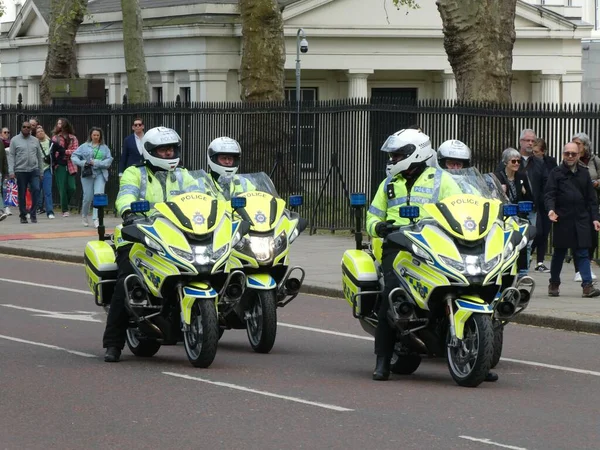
{"points": [[194, 85], [213, 85], [33, 91], [115, 93], [168, 86], [449, 86], [22, 89], [11, 90], [550, 88], [357, 83], [536, 87], [571, 87]]}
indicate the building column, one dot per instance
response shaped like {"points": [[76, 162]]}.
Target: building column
{"points": [[22, 89], [550, 88], [115, 93], [448, 86], [357, 83], [213, 85], [571, 87], [167, 80], [33, 90], [194, 85], [11, 90], [536, 87]]}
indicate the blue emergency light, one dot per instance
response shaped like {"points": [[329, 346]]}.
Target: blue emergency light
{"points": [[525, 207], [510, 210], [358, 199], [296, 200], [409, 212], [238, 202], [100, 200], [140, 206]]}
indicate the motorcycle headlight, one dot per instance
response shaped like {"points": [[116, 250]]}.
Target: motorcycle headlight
{"points": [[508, 250], [420, 252], [457, 265], [487, 266], [182, 253], [280, 243], [472, 266], [152, 244], [263, 248]]}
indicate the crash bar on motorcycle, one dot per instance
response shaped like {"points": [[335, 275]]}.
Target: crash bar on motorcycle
{"points": [[237, 273], [281, 285], [97, 288], [131, 310]]}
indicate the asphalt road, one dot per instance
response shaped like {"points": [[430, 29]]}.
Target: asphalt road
{"points": [[312, 391]]}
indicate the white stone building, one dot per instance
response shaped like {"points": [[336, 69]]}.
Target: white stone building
{"points": [[357, 48]]}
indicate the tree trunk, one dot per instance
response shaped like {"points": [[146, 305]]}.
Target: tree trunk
{"points": [[135, 60], [61, 61], [263, 51], [479, 37]]}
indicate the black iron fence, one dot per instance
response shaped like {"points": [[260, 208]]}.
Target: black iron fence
{"points": [[340, 140]]}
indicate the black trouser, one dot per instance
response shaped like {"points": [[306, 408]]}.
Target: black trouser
{"points": [[540, 243], [118, 317], [385, 335]]}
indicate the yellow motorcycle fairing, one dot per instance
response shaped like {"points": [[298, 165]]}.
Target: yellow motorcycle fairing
{"points": [[465, 307], [194, 212], [153, 268], [194, 291], [465, 216], [359, 274]]}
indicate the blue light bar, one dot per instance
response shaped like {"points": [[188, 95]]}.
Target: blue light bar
{"points": [[140, 206], [296, 200], [510, 210], [238, 202], [525, 207], [100, 200], [358, 199], [409, 212]]}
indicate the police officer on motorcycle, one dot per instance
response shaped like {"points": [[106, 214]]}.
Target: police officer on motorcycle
{"points": [[224, 155], [410, 181], [161, 151]]}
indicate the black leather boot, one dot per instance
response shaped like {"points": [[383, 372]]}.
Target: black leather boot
{"points": [[382, 368], [491, 377], [113, 354]]}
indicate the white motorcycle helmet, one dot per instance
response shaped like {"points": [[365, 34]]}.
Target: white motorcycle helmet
{"points": [[224, 146], [407, 149], [454, 149], [161, 137]]}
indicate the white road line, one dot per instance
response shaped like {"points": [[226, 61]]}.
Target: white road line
{"points": [[82, 316], [331, 332], [552, 366], [53, 347], [255, 391], [320, 330], [487, 441], [46, 286]]}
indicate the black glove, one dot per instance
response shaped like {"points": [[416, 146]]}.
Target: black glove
{"points": [[131, 217], [382, 230]]}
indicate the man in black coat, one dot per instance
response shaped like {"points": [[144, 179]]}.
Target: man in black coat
{"points": [[572, 207]]}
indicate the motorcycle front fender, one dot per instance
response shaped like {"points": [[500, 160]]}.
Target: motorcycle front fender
{"points": [[261, 282], [464, 309], [196, 291]]}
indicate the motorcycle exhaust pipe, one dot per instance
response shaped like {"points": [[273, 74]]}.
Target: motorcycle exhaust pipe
{"points": [[292, 286], [525, 296], [505, 310]]}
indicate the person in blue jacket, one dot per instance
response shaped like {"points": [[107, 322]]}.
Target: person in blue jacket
{"points": [[132, 147]]}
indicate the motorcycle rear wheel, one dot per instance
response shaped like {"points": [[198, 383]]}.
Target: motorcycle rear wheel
{"points": [[261, 325], [144, 348], [471, 361], [202, 337]]}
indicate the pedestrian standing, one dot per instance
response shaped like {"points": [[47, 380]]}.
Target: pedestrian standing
{"points": [[3, 176], [5, 139], [131, 154], [45, 202], [94, 158], [65, 170], [573, 209], [25, 163]]}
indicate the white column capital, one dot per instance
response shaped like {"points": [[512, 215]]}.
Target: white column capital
{"points": [[550, 88], [167, 77], [212, 75], [114, 78], [357, 82], [449, 85]]}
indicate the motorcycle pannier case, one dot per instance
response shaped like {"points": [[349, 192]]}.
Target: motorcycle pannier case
{"points": [[359, 274], [100, 266]]}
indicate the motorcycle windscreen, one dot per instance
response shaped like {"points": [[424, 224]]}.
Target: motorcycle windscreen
{"points": [[194, 212], [262, 210]]}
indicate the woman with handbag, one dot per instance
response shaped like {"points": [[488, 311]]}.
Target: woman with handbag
{"points": [[64, 169], [94, 158]]}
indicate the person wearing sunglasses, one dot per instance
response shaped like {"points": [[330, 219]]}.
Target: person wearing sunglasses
{"points": [[25, 162], [131, 154], [572, 207]]}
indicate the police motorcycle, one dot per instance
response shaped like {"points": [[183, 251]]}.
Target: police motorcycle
{"points": [[263, 256], [179, 256], [456, 274]]}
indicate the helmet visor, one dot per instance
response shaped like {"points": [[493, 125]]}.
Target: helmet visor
{"points": [[166, 152]]}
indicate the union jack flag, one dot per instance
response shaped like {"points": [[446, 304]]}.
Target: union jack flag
{"points": [[11, 193]]}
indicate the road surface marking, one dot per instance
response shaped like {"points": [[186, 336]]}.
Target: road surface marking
{"points": [[255, 391], [82, 316], [487, 441], [53, 347], [335, 333]]}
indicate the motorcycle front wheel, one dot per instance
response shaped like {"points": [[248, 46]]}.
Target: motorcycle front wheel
{"points": [[261, 320], [141, 347], [202, 337], [471, 360]]}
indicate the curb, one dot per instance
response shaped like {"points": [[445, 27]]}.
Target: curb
{"points": [[558, 323]]}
